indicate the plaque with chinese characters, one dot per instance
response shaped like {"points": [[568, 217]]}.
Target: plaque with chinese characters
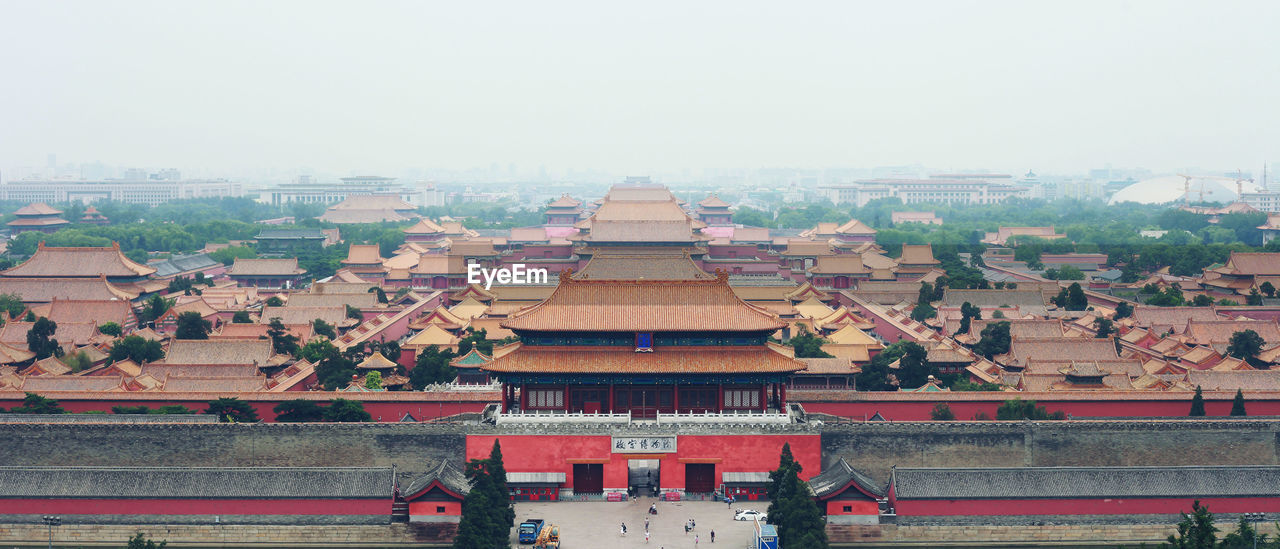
{"points": [[643, 445]]}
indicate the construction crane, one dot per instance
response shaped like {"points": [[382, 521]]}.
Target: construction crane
{"points": [[1239, 179]]}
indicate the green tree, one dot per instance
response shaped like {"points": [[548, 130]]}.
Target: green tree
{"points": [[995, 340], [232, 410], [925, 295], [1197, 404], [322, 328], [913, 367], [1245, 537], [274, 301], [282, 342], [968, 312], [498, 473], [1254, 299], [1076, 300], [40, 339], [142, 542], [807, 344], [130, 410], [79, 361], [942, 412], [1245, 345], [1201, 301], [192, 326], [111, 329], [432, 366], [298, 411], [1123, 310], [36, 404], [1025, 409], [1103, 327], [11, 305], [373, 380], [354, 313], [1237, 405], [316, 350], [155, 307], [382, 296], [173, 409], [1268, 288], [241, 317], [137, 349], [922, 312], [480, 520], [1195, 531], [346, 411], [792, 508], [335, 371]]}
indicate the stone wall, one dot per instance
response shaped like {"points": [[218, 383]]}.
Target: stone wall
{"points": [[411, 447], [89, 535], [874, 448], [1051, 535]]}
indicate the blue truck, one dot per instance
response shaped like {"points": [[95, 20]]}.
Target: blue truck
{"points": [[530, 529]]}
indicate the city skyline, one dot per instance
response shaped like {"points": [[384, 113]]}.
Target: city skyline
{"points": [[666, 89]]}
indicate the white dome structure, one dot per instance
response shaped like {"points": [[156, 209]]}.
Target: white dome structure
{"points": [[1172, 188]]}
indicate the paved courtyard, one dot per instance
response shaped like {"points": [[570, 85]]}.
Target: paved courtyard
{"points": [[597, 525]]}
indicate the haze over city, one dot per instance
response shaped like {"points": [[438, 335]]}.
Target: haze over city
{"points": [[232, 88]]}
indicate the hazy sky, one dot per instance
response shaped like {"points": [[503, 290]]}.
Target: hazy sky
{"points": [[641, 86]]}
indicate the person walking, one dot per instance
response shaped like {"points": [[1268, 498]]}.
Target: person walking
{"points": [[695, 540], [646, 524], [713, 536], [646, 536], [624, 528]]}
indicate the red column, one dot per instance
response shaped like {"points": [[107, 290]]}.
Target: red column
{"points": [[506, 396], [566, 397], [782, 398], [610, 410], [675, 398], [720, 398], [524, 402]]}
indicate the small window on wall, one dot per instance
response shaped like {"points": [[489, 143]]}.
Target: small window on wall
{"points": [[440, 509], [848, 508], [644, 342]]}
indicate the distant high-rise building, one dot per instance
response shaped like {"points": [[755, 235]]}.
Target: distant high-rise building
{"points": [[942, 188], [135, 174], [307, 190]]}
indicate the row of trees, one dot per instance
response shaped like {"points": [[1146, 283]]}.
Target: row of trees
{"points": [[231, 410]]}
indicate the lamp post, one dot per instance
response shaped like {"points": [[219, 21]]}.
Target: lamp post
{"points": [[1255, 518], [50, 522]]}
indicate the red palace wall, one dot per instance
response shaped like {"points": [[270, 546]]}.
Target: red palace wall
{"points": [[857, 507], [428, 508], [196, 506], [919, 408], [1096, 506], [730, 453]]}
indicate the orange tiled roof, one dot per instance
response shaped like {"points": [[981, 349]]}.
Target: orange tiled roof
{"points": [[215, 351], [1252, 263], [713, 201], [624, 360], [266, 267], [917, 254], [798, 247], [1023, 350], [839, 264], [565, 201], [37, 208], [640, 306], [363, 254], [641, 267], [855, 227], [1208, 332], [425, 226], [78, 262]]}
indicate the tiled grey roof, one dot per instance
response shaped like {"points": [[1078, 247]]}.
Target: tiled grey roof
{"points": [[451, 477], [181, 264], [290, 234], [195, 482], [840, 475], [1085, 482]]}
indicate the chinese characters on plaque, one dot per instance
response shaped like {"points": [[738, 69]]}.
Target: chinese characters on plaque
{"points": [[641, 445]]}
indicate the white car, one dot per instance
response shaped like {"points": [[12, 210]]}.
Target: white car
{"points": [[749, 514]]}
